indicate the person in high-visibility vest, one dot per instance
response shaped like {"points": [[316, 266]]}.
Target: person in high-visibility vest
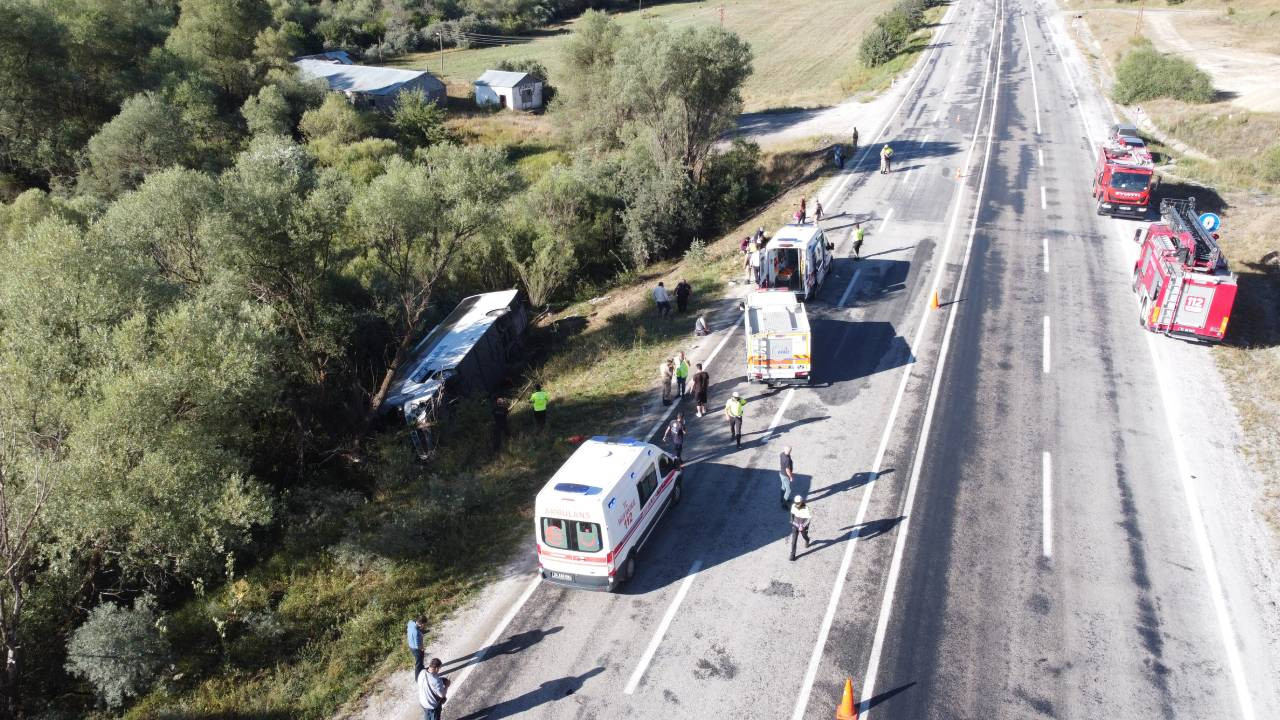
{"points": [[682, 374], [539, 400], [885, 154], [801, 516], [733, 410], [858, 233]]}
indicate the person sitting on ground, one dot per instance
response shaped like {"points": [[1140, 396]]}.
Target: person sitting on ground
{"points": [[700, 326]]}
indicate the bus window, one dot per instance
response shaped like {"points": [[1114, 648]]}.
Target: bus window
{"points": [[588, 536], [647, 485], [553, 533]]}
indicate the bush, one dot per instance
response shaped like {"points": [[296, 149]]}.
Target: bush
{"points": [[1269, 166], [1146, 74], [418, 122], [879, 46], [119, 651], [731, 187]]}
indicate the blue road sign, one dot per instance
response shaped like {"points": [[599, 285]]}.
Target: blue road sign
{"points": [[1210, 221]]}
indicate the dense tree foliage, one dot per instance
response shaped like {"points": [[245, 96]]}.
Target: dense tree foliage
{"points": [[210, 268]]}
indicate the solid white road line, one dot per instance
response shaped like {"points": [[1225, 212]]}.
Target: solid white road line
{"points": [[1040, 153], [1071, 83], [1046, 344], [1044, 202], [852, 171], [833, 602], [1031, 63], [1045, 241], [670, 615], [782, 408], [1046, 467], [496, 634], [895, 565], [1202, 539], [706, 365]]}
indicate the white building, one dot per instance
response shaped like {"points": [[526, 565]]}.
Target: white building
{"points": [[367, 86], [515, 90]]}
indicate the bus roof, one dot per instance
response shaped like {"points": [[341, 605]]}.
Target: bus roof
{"points": [[596, 468]]}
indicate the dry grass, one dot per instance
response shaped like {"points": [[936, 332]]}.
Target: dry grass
{"points": [[805, 51]]}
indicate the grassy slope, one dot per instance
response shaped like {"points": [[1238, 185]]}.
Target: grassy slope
{"points": [[319, 622], [1235, 139], [805, 51]]}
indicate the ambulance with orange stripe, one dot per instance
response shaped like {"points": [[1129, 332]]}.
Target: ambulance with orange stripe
{"points": [[778, 338], [598, 510]]}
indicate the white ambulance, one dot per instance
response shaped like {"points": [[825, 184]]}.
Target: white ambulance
{"points": [[597, 511], [797, 258]]}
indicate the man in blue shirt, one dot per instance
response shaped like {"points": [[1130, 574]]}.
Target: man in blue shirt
{"points": [[414, 637]]}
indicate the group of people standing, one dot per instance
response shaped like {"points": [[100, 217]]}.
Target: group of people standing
{"points": [[662, 298], [433, 688]]}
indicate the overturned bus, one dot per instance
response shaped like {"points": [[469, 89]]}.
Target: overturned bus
{"points": [[467, 354]]}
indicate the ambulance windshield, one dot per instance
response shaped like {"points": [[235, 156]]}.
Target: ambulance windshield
{"points": [[1133, 182], [574, 535]]}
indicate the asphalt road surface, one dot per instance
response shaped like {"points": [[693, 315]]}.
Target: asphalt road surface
{"points": [[997, 531]]}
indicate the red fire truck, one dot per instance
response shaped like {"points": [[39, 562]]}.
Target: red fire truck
{"points": [[1181, 277], [1122, 180]]}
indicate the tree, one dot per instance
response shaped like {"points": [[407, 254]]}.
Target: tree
{"points": [[268, 113], [146, 136], [334, 120], [411, 222], [216, 39], [418, 122], [543, 262], [119, 650]]}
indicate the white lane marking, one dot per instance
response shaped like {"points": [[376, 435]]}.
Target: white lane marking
{"points": [[1040, 152], [1071, 83], [925, 140], [1044, 202], [706, 365], [1046, 344], [496, 634], [884, 125], [777, 416], [670, 615], [833, 602], [895, 565], [1045, 241], [1046, 471], [1202, 540], [1031, 63], [853, 282]]}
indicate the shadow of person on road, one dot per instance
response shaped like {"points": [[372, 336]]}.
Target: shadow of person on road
{"points": [[858, 480], [876, 528], [547, 692], [512, 645], [867, 705]]}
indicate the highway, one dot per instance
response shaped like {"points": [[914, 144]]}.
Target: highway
{"points": [[1000, 530]]}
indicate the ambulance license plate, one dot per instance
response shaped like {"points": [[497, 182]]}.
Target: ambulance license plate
{"points": [[562, 576]]}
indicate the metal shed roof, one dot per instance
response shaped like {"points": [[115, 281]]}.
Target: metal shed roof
{"points": [[364, 78], [503, 78]]}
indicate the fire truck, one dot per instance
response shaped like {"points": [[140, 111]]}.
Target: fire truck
{"points": [[1181, 277], [1122, 180]]}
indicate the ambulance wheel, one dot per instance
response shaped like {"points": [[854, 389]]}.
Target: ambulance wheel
{"points": [[676, 491], [629, 568]]}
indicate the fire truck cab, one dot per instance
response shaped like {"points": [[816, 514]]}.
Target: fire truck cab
{"points": [[1181, 277], [1122, 180]]}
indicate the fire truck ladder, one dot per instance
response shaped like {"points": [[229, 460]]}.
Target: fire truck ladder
{"points": [[1169, 310], [1181, 216]]}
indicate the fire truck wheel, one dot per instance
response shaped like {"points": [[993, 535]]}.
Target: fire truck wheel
{"points": [[1142, 316], [1100, 210], [1136, 279]]}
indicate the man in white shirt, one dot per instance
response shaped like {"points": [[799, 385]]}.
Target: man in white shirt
{"points": [[663, 300], [432, 690]]}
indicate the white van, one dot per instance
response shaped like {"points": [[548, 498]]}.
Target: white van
{"points": [[600, 507], [797, 258], [777, 337]]}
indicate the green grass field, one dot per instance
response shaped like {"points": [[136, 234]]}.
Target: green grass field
{"points": [[805, 51]]}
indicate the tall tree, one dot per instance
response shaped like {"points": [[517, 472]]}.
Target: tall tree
{"points": [[217, 39], [145, 137]]}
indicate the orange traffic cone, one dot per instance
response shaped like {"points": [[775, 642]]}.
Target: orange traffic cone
{"points": [[933, 302], [847, 710]]}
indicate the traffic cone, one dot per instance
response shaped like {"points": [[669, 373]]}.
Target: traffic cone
{"points": [[933, 302], [847, 710]]}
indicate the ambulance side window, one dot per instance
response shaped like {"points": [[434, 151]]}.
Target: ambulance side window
{"points": [[647, 485]]}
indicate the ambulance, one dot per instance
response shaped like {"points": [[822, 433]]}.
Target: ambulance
{"points": [[598, 510], [797, 258], [777, 338]]}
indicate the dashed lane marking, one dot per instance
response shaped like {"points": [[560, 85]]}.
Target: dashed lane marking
{"points": [[1046, 344], [1046, 472], [638, 674]]}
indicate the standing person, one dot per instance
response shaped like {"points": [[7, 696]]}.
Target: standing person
{"points": [[758, 238], [733, 413], [499, 411], [753, 263], [432, 690], [701, 381], [539, 400], [804, 213], [666, 370], [675, 433], [886, 153], [858, 234], [413, 632], [683, 291], [855, 140], [786, 475], [817, 211], [801, 516], [682, 374], [662, 299]]}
